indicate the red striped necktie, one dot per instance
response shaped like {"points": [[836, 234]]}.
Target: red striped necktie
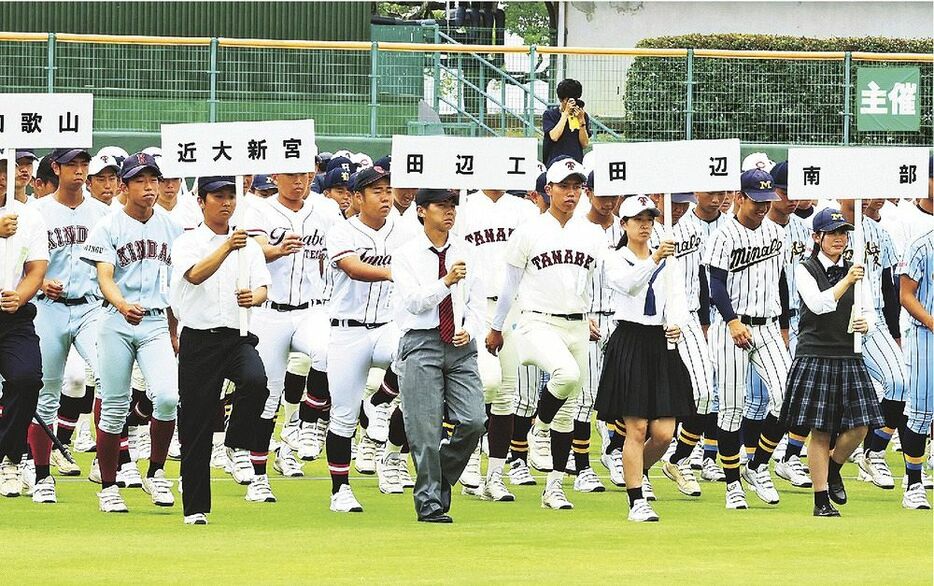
{"points": [[446, 308]]}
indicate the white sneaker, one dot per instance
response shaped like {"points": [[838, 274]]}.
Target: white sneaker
{"points": [[311, 438], [915, 498], [289, 434], [554, 497], [175, 448], [196, 519], [778, 454], [476, 491], [793, 472], [672, 446], [94, 475], [286, 464], [896, 442], [647, 492], [641, 511], [140, 444], [44, 491], [697, 457], [405, 478], [387, 469], [762, 484], [259, 491], [711, 472], [65, 468], [179, 485], [875, 466], [343, 501], [540, 449], [11, 484], [571, 466], [735, 496], [495, 490], [366, 456], [110, 501], [519, 474], [128, 476], [219, 457], [240, 466], [471, 477], [588, 481], [683, 476], [604, 435], [925, 481], [160, 489], [27, 470], [613, 462], [378, 425], [84, 441]]}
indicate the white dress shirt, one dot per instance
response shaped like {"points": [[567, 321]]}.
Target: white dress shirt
{"points": [[418, 290], [629, 276], [821, 302]]}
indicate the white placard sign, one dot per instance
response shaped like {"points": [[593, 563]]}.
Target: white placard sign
{"points": [[456, 162], [238, 148], [857, 172], [666, 167], [41, 121]]}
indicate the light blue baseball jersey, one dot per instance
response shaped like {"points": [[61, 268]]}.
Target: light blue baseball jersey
{"points": [[141, 253], [879, 255], [919, 266], [68, 229]]}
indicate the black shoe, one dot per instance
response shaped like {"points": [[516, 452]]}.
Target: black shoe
{"points": [[825, 511], [836, 492], [436, 518]]}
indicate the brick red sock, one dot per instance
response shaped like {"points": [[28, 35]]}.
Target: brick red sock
{"points": [[160, 433], [108, 453]]}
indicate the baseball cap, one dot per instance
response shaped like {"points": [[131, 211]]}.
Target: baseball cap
{"points": [[336, 162], [114, 151], [101, 162], [335, 177], [779, 174], [263, 182], [424, 197], [155, 151], [384, 162], [540, 184], [683, 197], [352, 181], [214, 183], [758, 185], [134, 164], [590, 182], [26, 154], [635, 205], [561, 169], [757, 161], [829, 219], [62, 156], [369, 176], [361, 160]]}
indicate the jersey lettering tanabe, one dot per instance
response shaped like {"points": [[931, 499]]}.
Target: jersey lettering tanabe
{"points": [[753, 260], [601, 296], [918, 265], [688, 248], [140, 253], [879, 255], [358, 300], [296, 278], [68, 229]]}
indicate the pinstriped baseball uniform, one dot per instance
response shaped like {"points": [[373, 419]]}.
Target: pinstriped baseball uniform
{"points": [[918, 265]]}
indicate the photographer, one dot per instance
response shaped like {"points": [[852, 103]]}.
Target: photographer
{"points": [[567, 127]]}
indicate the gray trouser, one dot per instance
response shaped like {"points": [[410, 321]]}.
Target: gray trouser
{"points": [[437, 378]]}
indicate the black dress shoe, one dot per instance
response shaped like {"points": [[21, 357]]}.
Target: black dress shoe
{"points": [[825, 511], [436, 518], [836, 492]]}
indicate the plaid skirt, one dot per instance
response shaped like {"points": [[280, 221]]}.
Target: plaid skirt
{"points": [[830, 394]]}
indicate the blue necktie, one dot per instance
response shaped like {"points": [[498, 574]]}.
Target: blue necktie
{"points": [[650, 293]]}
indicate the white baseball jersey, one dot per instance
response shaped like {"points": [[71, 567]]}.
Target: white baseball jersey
{"points": [[879, 255], [601, 295], [28, 244], [558, 263], [67, 231], [358, 300], [753, 260], [141, 253], [918, 264], [797, 249], [296, 278], [487, 225], [688, 242], [911, 222]]}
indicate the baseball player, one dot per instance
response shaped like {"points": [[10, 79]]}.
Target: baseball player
{"points": [[550, 263], [45, 181], [131, 250], [362, 335], [102, 182], [25, 159], [744, 257], [25, 250], [335, 187], [68, 306], [916, 292]]}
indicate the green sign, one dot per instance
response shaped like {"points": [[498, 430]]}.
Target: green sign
{"points": [[887, 99]]}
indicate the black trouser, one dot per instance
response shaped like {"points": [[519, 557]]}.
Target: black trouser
{"points": [[205, 359], [21, 369]]}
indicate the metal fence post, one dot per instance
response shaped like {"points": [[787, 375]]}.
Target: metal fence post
{"points": [[530, 96], [460, 87], [689, 98], [482, 94], [374, 52], [212, 72], [50, 61], [846, 97], [436, 101]]}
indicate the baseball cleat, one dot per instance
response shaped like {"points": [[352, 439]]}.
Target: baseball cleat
{"points": [[554, 497], [641, 511], [925, 481], [219, 457], [240, 466], [683, 476], [495, 490], [874, 466], [159, 488], [311, 439], [613, 462], [84, 441], [915, 498], [128, 476], [735, 496], [259, 491], [366, 456], [471, 477], [11, 485], [405, 479], [519, 474], [387, 469], [762, 484], [110, 501], [711, 472], [196, 519], [343, 501], [647, 491], [588, 481], [793, 471], [540, 449], [65, 468], [286, 464], [44, 491], [94, 474], [378, 426]]}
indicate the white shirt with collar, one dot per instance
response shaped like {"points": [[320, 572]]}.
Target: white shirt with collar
{"points": [[630, 276], [30, 243], [821, 302], [213, 303]]}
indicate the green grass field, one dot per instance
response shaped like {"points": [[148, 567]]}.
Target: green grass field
{"points": [[299, 540]]}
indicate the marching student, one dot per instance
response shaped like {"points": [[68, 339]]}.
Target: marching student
{"points": [[206, 300], [437, 359], [829, 388]]}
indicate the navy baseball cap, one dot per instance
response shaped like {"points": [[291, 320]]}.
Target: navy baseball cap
{"points": [[62, 156], [134, 164], [540, 184], [369, 176], [214, 183], [352, 181], [590, 182], [829, 219], [336, 162], [26, 154], [683, 197], [517, 193], [758, 186], [779, 174], [335, 177], [424, 197], [263, 182], [384, 162]]}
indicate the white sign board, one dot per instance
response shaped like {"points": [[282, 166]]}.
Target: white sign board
{"points": [[39, 121], [857, 172], [455, 162], [238, 148], [666, 167]]}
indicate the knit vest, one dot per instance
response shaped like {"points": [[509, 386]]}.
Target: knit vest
{"points": [[825, 335]]}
